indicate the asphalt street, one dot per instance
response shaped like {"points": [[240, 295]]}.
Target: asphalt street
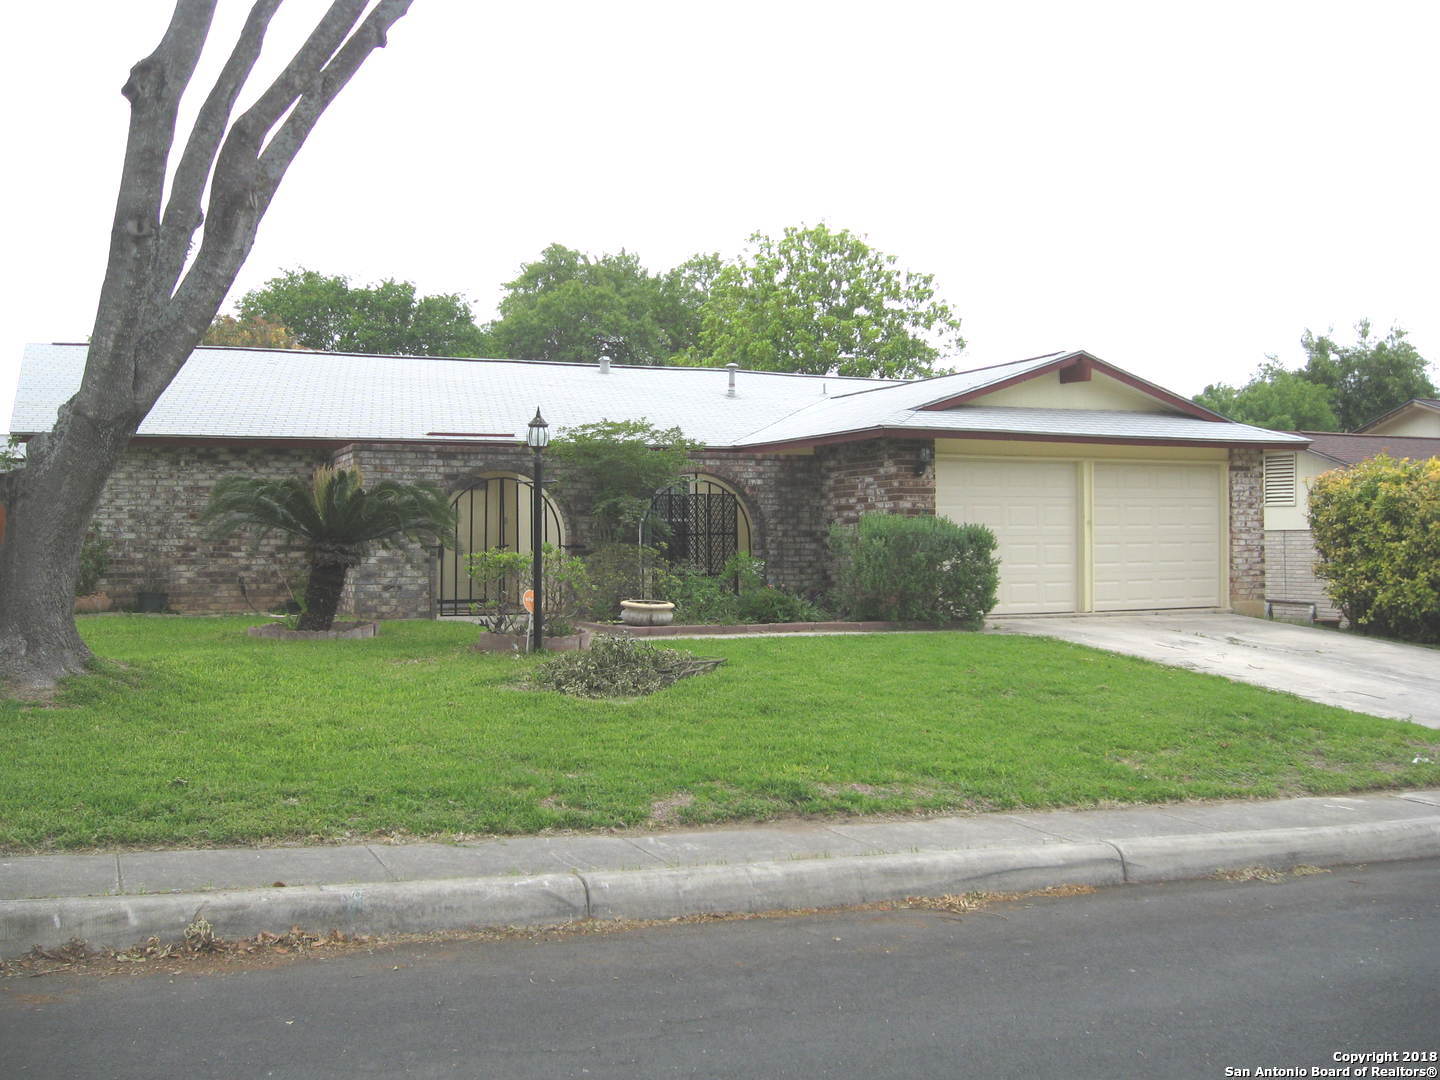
{"points": [[1174, 980]]}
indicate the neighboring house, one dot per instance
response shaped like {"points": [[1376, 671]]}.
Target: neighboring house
{"points": [[1107, 492], [1418, 417], [1291, 586]]}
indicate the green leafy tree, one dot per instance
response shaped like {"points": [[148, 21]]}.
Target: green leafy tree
{"points": [[335, 519], [820, 301], [1376, 527], [254, 332], [330, 314], [1368, 378], [615, 467], [1273, 398], [12, 454], [569, 307]]}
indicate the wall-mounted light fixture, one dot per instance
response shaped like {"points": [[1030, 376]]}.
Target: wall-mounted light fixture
{"points": [[923, 459]]}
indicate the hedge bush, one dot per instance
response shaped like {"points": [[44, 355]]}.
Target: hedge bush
{"points": [[1376, 528], [915, 569]]}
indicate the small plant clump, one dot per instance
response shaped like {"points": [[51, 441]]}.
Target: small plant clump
{"points": [[618, 667]]}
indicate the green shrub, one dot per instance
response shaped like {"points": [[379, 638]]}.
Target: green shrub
{"points": [[616, 666], [701, 598], [767, 604], [94, 561], [1376, 528], [915, 569], [504, 575], [626, 572]]}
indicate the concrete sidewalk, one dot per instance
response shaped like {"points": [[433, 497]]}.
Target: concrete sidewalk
{"points": [[120, 899]]}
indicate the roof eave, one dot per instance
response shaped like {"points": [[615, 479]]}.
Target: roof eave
{"points": [[886, 431]]}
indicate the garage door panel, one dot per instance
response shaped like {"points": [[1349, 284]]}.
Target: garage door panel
{"points": [[1156, 536], [1033, 509]]}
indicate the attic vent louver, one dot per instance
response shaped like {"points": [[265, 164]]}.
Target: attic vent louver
{"points": [[1280, 479]]}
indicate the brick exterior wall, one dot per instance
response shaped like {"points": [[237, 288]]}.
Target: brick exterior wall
{"points": [[1247, 531], [876, 476], [150, 509], [152, 505], [781, 493]]}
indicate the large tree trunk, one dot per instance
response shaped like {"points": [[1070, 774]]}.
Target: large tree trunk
{"points": [[48, 508], [160, 293]]}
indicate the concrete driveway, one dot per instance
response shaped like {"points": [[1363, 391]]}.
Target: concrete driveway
{"points": [[1378, 677]]}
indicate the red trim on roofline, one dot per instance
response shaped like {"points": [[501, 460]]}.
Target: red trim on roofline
{"points": [[1081, 360]]}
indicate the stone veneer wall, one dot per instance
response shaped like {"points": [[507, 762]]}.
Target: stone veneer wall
{"points": [[151, 511], [876, 476], [1247, 531]]}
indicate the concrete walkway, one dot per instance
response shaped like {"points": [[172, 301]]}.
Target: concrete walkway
{"points": [[1383, 678], [121, 899]]}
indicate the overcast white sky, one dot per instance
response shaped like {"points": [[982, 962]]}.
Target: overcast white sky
{"points": [[1180, 189]]}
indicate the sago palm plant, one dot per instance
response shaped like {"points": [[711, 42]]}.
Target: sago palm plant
{"points": [[334, 518]]}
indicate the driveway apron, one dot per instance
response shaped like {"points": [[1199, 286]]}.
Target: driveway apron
{"points": [[1382, 678]]}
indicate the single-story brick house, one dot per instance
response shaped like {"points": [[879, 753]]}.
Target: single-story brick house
{"points": [[1107, 492], [1291, 587]]}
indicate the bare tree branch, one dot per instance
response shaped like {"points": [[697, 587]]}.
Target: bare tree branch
{"points": [[311, 57], [154, 90], [371, 35], [183, 215], [243, 186]]}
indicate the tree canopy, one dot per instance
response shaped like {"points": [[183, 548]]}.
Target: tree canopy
{"points": [[819, 301], [571, 307], [1339, 388], [1368, 378], [1273, 398], [816, 300], [253, 332], [615, 467], [328, 313]]}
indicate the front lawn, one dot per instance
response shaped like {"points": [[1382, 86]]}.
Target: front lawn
{"points": [[197, 734]]}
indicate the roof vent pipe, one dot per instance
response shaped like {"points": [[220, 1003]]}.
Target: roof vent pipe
{"points": [[731, 367], [604, 365]]}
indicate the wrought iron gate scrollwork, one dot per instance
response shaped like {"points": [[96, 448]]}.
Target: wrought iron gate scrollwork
{"points": [[698, 523]]}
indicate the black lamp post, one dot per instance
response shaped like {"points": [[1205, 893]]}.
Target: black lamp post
{"points": [[537, 438]]}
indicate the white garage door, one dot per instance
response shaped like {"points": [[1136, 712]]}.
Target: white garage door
{"points": [[1156, 536], [1033, 507]]}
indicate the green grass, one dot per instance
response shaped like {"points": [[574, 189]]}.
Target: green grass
{"points": [[196, 734]]}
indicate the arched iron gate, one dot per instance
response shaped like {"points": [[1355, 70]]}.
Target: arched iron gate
{"points": [[494, 513], [698, 523]]}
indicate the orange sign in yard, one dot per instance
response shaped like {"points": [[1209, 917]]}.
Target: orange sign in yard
{"points": [[528, 599]]}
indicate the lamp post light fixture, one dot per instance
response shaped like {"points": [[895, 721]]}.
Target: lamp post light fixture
{"points": [[537, 437]]}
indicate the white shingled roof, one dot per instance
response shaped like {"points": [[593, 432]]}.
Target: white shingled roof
{"points": [[272, 394]]}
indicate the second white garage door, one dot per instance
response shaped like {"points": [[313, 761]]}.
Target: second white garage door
{"points": [[1152, 536], [1156, 538]]}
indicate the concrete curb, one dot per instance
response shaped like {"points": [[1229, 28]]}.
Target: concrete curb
{"points": [[550, 899]]}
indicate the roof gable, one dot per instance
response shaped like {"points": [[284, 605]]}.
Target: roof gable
{"points": [[1073, 380], [1418, 417]]}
